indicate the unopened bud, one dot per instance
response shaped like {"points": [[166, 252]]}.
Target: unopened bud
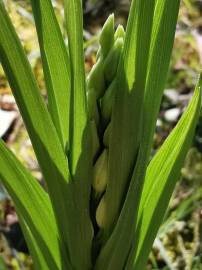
{"points": [[100, 173], [101, 213]]}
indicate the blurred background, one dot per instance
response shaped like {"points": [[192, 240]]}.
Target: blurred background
{"points": [[179, 242]]}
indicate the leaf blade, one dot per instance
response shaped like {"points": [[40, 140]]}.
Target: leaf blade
{"points": [[80, 149], [158, 189], [37, 257], [74, 26], [33, 204], [56, 66], [127, 110]]}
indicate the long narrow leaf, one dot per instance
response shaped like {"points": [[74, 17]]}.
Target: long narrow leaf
{"points": [[128, 106], [162, 174], [56, 67], [34, 249], [80, 148], [166, 13], [33, 204], [74, 24]]}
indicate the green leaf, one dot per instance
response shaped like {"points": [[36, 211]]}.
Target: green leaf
{"points": [[165, 19], [128, 106], [56, 66], [163, 31], [34, 206], [166, 13], [80, 150], [34, 249], [74, 25], [162, 174]]}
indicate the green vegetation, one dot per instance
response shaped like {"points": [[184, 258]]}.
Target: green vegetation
{"points": [[104, 201]]}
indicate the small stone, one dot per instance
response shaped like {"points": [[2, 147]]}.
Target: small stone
{"points": [[7, 103], [172, 115], [172, 95], [159, 123], [6, 119]]}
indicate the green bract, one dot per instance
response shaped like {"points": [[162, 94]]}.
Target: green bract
{"points": [[105, 200]]}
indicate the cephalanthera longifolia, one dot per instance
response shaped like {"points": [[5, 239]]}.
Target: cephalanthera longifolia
{"points": [[105, 200]]}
